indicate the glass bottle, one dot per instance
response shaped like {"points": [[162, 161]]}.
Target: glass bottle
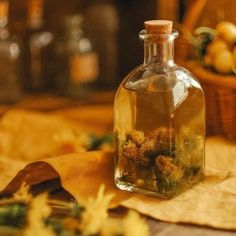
{"points": [[102, 30], [77, 62], [38, 48], [10, 84], [159, 121]]}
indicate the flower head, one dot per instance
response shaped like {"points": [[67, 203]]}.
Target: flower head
{"points": [[39, 211], [136, 137], [23, 194], [72, 141], [149, 148], [134, 224], [167, 168], [95, 214], [129, 150]]}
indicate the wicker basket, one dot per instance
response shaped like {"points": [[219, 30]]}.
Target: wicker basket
{"points": [[220, 90], [220, 95]]}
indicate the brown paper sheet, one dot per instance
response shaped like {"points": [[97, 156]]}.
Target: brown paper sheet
{"points": [[211, 203], [8, 169], [28, 136]]}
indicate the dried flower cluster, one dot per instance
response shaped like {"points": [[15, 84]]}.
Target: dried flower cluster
{"points": [[161, 161], [24, 215]]}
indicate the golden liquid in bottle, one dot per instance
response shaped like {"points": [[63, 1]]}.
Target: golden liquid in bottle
{"points": [[159, 138]]}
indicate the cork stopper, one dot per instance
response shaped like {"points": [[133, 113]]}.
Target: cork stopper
{"points": [[158, 26]]}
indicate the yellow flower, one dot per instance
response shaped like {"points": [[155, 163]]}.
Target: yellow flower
{"points": [[189, 148], [135, 225], [167, 168], [73, 141], [39, 210], [95, 215], [136, 137], [148, 147], [129, 150], [23, 194], [113, 226]]}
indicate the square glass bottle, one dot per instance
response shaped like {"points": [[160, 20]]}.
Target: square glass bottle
{"points": [[159, 121]]}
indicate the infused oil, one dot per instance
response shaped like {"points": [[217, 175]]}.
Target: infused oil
{"points": [[159, 121]]}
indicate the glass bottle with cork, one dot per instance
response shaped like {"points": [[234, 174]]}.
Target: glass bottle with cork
{"points": [[38, 48], [10, 74], [77, 62], [159, 121]]}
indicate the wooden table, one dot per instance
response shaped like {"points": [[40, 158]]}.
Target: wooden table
{"points": [[48, 102]]}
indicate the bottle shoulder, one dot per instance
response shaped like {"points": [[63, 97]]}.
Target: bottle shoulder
{"points": [[175, 82], [156, 78]]}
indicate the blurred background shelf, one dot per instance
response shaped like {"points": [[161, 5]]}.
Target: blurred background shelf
{"points": [[112, 27], [49, 102]]}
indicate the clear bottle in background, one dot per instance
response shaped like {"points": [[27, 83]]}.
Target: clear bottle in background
{"points": [[10, 75], [38, 49], [77, 63], [102, 23], [159, 121]]}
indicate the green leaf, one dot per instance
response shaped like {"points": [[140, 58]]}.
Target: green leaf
{"points": [[13, 215], [77, 210]]}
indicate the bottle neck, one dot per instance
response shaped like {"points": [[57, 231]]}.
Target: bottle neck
{"points": [[158, 48], [159, 52]]}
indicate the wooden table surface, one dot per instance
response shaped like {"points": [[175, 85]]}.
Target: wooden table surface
{"points": [[48, 102]]}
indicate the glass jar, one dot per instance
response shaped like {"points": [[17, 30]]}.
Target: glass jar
{"points": [[159, 121], [102, 30], [10, 84], [77, 62], [37, 49]]}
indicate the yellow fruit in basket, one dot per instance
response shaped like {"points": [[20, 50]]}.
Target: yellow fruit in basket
{"points": [[216, 46], [223, 62], [227, 31]]}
